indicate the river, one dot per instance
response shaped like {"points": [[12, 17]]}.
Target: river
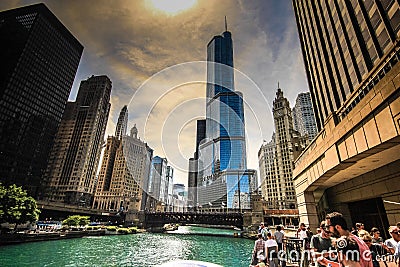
{"points": [[137, 250]]}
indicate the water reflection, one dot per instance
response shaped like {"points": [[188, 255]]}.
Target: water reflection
{"points": [[136, 250]]}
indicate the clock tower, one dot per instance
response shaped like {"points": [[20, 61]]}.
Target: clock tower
{"points": [[278, 185]]}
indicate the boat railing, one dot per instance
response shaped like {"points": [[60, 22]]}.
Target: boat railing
{"points": [[294, 251]]}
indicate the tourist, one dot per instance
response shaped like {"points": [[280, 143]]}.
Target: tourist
{"points": [[391, 243], [271, 248], [260, 227], [348, 253], [261, 262], [264, 231], [362, 233], [259, 250], [376, 249], [338, 227], [302, 232], [359, 226], [395, 233], [279, 236], [376, 235], [321, 244]]}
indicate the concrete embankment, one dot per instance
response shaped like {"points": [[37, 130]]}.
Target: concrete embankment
{"points": [[17, 238]]}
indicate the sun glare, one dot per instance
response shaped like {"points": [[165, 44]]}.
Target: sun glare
{"points": [[172, 7]]}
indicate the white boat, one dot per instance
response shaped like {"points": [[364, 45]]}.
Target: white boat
{"points": [[189, 263]]}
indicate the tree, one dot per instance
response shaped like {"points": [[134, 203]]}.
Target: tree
{"points": [[16, 206], [76, 220]]}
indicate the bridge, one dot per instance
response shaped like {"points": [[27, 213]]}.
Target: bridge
{"points": [[158, 219], [148, 219], [60, 211]]}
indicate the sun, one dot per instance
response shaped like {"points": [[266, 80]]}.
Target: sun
{"points": [[171, 7]]}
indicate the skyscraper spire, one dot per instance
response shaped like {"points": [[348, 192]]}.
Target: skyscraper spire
{"points": [[226, 25], [122, 123]]}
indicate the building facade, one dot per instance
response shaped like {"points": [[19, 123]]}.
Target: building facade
{"points": [[179, 198], [194, 172], [303, 116], [277, 156], [74, 158], [123, 189], [351, 54], [39, 60], [169, 188], [122, 124], [222, 158], [157, 183]]}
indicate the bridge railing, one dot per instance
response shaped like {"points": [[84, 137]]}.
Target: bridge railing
{"points": [[154, 219]]}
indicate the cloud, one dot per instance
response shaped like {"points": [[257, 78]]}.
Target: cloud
{"points": [[129, 42]]}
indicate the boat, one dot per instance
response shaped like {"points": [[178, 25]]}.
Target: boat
{"points": [[189, 263]]}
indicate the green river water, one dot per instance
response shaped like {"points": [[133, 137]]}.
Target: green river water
{"points": [[138, 250]]}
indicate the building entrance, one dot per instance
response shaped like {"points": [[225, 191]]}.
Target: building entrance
{"points": [[371, 213]]}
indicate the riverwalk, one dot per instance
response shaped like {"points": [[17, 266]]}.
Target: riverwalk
{"points": [[18, 238]]}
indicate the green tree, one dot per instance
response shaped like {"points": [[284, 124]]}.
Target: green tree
{"points": [[76, 220], [16, 206]]}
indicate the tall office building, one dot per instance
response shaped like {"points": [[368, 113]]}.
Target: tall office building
{"points": [[194, 173], [276, 158], [303, 116], [169, 185], [222, 158], [110, 153], [351, 54], [39, 59], [74, 159], [179, 198], [157, 182], [124, 171]]}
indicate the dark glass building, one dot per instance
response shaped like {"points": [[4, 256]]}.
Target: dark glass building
{"points": [[39, 60], [351, 55], [193, 173]]}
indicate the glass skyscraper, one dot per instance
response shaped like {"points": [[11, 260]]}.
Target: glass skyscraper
{"points": [[224, 180]]}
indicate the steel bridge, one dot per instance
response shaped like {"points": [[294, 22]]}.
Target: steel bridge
{"points": [[158, 219]]}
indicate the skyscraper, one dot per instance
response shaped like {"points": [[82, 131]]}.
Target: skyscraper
{"points": [[342, 42], [169, 186], [222, 159], [157, 182], [303, 116], [74, 159], [276, 158], [194, 173], [39, 59], [351, 54], [124, 171]]}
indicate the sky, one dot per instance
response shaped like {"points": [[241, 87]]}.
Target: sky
{"points": [[154, 52]]}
